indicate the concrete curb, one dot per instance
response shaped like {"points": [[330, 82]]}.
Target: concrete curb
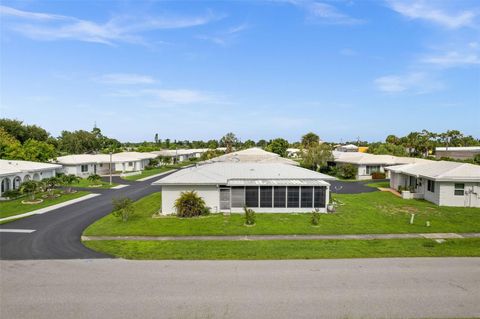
{"points": [[50, 208], [119, 186], [288, 237]]}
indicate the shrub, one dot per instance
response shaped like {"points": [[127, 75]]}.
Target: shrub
{"points": [[249, 216], [189, 204], [123, 208], [11, 194], [30, 188], [69, 180], [378, 175], [94, 178], [347, 171], [315, 220]]}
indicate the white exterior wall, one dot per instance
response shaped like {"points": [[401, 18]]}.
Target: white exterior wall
{"points": [[209, 193], [447, 195], [362, 171], [24, 176]]}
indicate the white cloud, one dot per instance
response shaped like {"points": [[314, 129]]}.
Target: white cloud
{"points": [[324, 13], [453, 58], [45, 26], [125, 78], [225, 37], [418, 9], [415, 82]]}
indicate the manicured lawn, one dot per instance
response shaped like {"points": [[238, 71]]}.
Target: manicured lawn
{"points": [[148, 172], [86, 183], [15, 207], [368, 213], [379, 184], [287, 249]]}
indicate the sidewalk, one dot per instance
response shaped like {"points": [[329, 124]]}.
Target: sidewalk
{"points": [[290, 237]]}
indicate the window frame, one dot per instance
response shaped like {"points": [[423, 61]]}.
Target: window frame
{"points": [[281, 198], [430, 186], [458, 189], [247, 203], [266, 201], [290, 191], [84, 170]]}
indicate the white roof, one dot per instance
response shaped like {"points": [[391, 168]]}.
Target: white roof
{"points": [[245, 174], [180, 152], [440, 171], [252, 155], [12, 167], [359, 158], [463, 148], [103, 158]]}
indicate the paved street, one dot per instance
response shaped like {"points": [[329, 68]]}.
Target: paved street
{"points": [[344, 288]]}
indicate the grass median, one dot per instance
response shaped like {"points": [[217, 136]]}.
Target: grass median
{"points": [[286, 249]]}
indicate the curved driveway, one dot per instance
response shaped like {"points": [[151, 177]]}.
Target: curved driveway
{"points": [[57, 233]]}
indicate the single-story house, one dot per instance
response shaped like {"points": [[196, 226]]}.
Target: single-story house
{"points": [[461, 153], [181, 155], [266, 188], [367, 163], [84, 165], [346, 148], [251, 155], [13, 173], [294, 152], [443, 183]]}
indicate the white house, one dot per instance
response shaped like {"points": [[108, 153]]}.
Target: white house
{"points": [[443, 183], [346, 148], [251, 155], [84, 165], [294, 152], [367, 163], [228, 187], [461, 153], [13, 173], [181, 155]]}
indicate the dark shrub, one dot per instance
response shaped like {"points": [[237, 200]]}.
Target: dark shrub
{"points": [[378, 175], [189, 204], [347, 171], [315, 217], [11, 194]]}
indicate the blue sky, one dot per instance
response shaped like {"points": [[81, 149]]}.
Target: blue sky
{"points": [[262, 69]]}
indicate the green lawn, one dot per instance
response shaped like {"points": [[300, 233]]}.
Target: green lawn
{"points": [[286, 249], [148, 172], [15, 207], [375, 213], [379, 184], [86, 183]]}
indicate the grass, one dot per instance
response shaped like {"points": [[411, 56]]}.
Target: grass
{"points": [[15, 207], [368, 213], [88, 184], [287, 249], [379, 184], [157, 170]]}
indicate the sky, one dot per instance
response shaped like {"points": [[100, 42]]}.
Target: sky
{"points": [[261, 69]]}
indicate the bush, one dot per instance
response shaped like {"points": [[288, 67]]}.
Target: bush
{"points": [[123, 208], [378, 175], [347, 171], [11, 194], [94, 178], [315, 220], [189, 204], [249, 216]]}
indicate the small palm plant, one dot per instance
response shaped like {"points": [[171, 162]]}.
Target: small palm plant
{"points": [[249, 216], [50, 184], [30, 188], [68, 180], [94, 178], [123, 208], [315, 220], [189, 204]]}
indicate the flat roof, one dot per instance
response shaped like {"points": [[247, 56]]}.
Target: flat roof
{"points": [[251, 155], [440, 171], [12, 167], [78, 159]]}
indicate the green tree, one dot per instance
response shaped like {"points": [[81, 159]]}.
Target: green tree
{"points": [[189, 204], [262, 143], [78, 142], [392, 139], [310, 139], [69, 180], [317, 157], [23, 132], [7, 143], [248, 144], [123, 208], [229, 141], [51, 183], [33, 150], [30, 188], [94, 178], [347, 171], [278, 146], [387, 149]]}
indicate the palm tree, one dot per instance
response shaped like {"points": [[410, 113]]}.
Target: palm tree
{"points": [[51, 183], [68, 180], [30, 188], [94, 178]]}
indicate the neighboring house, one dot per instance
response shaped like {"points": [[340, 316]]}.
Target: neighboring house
{"points": [[461, 153], [181, 155], [443, 183], [251, 155], [13, 173], [367, 163], [228, 187], [294, 152], [346, 148], [84, 165]]}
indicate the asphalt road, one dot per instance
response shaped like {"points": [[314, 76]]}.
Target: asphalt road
{"points": [[342, 288], [57, 233]]}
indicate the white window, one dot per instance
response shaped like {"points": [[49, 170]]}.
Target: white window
{"points": [[459, 189], [84, 168]]}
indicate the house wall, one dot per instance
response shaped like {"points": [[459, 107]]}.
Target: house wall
{"points": [[462, 155], [447, 196], [362, 171], [209, 193], [8, 181]]}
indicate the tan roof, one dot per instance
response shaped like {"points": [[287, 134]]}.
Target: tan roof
{"points": [[251, 155], [359, 158], [440, 170]]}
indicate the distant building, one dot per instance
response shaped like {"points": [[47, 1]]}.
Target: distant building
{"points": [[441, 182], [181, 155], [251, 155], [14, 173], [461, 153], [346, 148]]}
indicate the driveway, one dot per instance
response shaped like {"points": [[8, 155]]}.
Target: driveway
{"points": [[346, 187], [342, 288]]}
